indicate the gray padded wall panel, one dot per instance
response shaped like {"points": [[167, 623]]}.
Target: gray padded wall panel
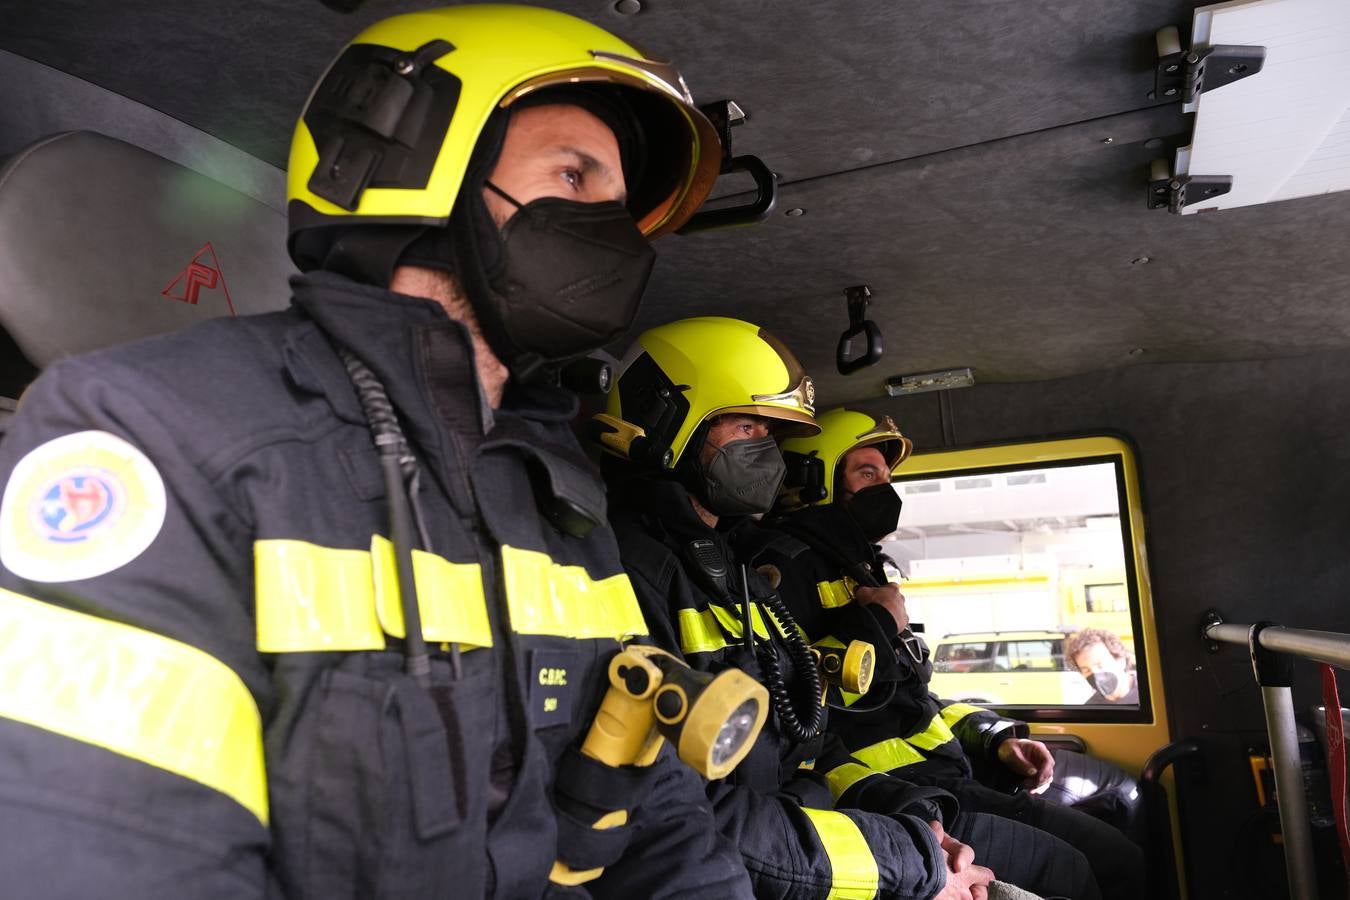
{"points": [[829, 86], [1016, 258], [102, 242], [37, 101], [1011, 253]]}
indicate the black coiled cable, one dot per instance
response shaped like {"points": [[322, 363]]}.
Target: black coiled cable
{"points": [[800, 727], [379, 412], [401, 476]]}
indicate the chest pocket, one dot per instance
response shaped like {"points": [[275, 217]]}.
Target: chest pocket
{"points": [[391, 775]]}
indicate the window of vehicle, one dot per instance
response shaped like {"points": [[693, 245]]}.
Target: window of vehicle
{"points": [[1106, 598], [1042, 654], [1020, 555], [964, 657]]}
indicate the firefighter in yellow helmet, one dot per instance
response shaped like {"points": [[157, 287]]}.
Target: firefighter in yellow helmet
{"points": [[320, 603], [692, 460], [840, 506]]}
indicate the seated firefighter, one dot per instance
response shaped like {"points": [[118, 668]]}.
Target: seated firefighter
{"points": [[691, 415], [829, 569], [224, 686]]}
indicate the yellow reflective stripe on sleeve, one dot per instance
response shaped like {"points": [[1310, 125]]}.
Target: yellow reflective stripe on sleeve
{"points": [[854, 872], [133, 692], [843, 777], [935, 735], [700, 632], [837, 593], [449, 597], [955, 712], [313, 598], [888, 755], [547, 598]]}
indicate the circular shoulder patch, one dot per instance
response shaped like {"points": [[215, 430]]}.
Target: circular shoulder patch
{"points": [[79, 506]]}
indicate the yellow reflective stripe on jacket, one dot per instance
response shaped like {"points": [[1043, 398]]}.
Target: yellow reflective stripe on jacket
{"points": [[890, 754], [732, 623], [837, 593], [955, 712], [841, 778], [449, 597], [716, 628], [133, 692], [547, 598], [935, 735], [853, 867], [314, 598], [700, 632]]}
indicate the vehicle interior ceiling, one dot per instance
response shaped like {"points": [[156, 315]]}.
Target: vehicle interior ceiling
{"points": [[982, 166]]}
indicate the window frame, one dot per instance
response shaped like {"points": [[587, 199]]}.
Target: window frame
{"points": [[1006, 458]]}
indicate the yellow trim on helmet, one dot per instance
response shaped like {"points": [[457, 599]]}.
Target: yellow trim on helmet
{"points": [[720, 366], [843, 430], [501, 53]]}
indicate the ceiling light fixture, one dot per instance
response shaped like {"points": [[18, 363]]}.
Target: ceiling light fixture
{"points": [[900, 385]]}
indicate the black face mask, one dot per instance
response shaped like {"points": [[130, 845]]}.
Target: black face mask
{"points": [[571, 275], [1105, 683], [743, 478], [876, 509]]}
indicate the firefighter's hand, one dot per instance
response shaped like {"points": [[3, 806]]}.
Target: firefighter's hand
{"points": [[888, 597], [1030, 759], [965, 880]]}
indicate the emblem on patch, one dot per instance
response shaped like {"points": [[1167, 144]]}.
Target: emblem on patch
{"points": [[79, 506]]}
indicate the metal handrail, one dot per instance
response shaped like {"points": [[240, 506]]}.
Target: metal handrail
{"points": [[1318, 646], [1275, 677]]}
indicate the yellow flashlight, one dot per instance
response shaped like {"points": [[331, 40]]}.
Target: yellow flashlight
{"points": [[849, 668], [712, 721]]}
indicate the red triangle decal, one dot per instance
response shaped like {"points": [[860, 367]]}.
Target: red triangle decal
{"points": [[201, 273]]}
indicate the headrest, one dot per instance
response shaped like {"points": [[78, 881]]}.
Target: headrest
{"points": [[102, 242]]}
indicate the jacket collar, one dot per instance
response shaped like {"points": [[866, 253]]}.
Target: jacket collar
{"points": [[423, 358], [829, 529]]}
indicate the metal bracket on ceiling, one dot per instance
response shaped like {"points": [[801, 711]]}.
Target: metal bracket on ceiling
{"points": [[1185, 74], [1174, 192]]}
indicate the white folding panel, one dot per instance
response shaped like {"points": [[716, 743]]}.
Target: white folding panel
{"points": [[1285, 131]]}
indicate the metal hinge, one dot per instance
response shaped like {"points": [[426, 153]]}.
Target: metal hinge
{"points": [[1176, 191], [1185, 74]]}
